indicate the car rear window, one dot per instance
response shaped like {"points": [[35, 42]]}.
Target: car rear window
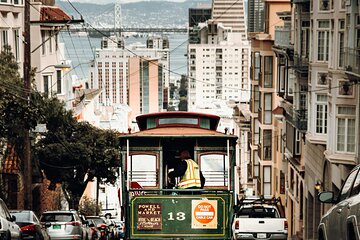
{"points": [[22, 216], [57, 217], [98, 221]]}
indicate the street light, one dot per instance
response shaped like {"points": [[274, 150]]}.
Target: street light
{"points": [[62, 66]]}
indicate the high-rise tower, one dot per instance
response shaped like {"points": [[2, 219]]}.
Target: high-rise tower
{"points": [[231, 13]]}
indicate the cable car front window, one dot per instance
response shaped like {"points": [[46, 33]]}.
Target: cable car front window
{"points": [[215, 169], [142, 168]]}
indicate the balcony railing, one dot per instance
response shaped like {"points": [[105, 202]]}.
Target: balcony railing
{"points": [[282, 37], [301, 63], [298, 119], [352, 61]]}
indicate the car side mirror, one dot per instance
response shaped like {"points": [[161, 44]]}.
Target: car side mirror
{"points": [[47, 224], [326, 197], [12, 218]]}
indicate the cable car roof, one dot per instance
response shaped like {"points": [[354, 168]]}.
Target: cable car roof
{"points": [[143, 120]]}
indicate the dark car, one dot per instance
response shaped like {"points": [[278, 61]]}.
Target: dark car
{"points": [[95, 232], [30, 225], [341, 221], [120, 228], [102, 226]]}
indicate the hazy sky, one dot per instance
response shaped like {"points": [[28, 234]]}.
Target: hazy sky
{"points": [[121, 1]]}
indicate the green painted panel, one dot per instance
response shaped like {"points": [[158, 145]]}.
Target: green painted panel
{"points": [[180, 216]]}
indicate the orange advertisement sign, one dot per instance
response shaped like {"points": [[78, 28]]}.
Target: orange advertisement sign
{"points": [[204, 214]]}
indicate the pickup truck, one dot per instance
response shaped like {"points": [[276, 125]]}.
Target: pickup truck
{"points": [[259, 221]]}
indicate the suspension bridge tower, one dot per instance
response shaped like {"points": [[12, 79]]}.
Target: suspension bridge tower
{"points": [[117, 19]]}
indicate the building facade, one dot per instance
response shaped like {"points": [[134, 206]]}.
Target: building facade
{"points": [[110, 69]]}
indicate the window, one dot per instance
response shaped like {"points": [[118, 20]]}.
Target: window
{"points": [[268, 69], [321, 114], [356, 187], [16, 48], [50, 42], [257, 66], [256, 131], [58, 81], [267, 180], [345, 132], [305, 38], [341, 42], [267, 108], [46, 83], [215, 169], [143, 169], [4, 38], [43, 42], [302, 97], [267, 135], [323, 40], [256, 164], [347, 186], [256, 98]]}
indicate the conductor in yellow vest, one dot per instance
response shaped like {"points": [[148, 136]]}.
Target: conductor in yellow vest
{"points": [[189, 172]]}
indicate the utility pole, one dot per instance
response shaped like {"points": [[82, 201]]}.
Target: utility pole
{"points": [[27, 170]]}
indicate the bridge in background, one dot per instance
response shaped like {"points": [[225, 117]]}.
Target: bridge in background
{"points": [[99, 32]]}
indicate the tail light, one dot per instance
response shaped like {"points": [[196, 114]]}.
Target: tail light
{"points": [[102, 226], [285, 225], [73, 223], [237, 224], [29, 228]]}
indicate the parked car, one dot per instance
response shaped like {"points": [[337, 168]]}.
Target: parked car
{"points": [[30, 225], [259, 218], [95, 232], [86, 228], [102, 226], [341, 221], [112, 229], [64, 225], [120, 228], [8, 228]]}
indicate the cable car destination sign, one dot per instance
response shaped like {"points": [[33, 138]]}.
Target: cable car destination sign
{"points": [[149, 216]]}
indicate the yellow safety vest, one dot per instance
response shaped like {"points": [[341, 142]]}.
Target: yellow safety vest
{"points": [[191, 178]]}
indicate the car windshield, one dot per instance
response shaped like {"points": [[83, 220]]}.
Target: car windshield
{"points": [[257, 213], [22, 216], [57, 217], [98, 221]]}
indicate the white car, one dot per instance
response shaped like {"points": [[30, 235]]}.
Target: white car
{"points": [[342, 220], [8, 228]]}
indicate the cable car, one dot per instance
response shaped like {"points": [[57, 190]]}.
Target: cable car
{"points": [[155, 209]]}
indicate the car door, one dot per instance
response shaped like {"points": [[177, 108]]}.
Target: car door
{"points": [[353, 207], [12, 226], [337, 218]]}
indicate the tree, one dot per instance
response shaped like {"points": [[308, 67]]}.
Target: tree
{"points": [[89, 207], [16, 115], [73, 153]]}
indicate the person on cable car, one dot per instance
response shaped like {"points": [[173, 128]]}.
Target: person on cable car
{"points": [[189, 172]]}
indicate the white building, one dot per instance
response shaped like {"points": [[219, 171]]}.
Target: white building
{"points": [[109, 72], [218, 66]]}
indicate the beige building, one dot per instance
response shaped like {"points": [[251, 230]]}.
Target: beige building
{"points": [[145, 86], [269, 166]]}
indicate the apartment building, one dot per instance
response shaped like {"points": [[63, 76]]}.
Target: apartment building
{"points": [[231, 14], [218, 67], [110, 71], [318, 68], [268, 167], [292, 90], [11, 27], [256, 16]]}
